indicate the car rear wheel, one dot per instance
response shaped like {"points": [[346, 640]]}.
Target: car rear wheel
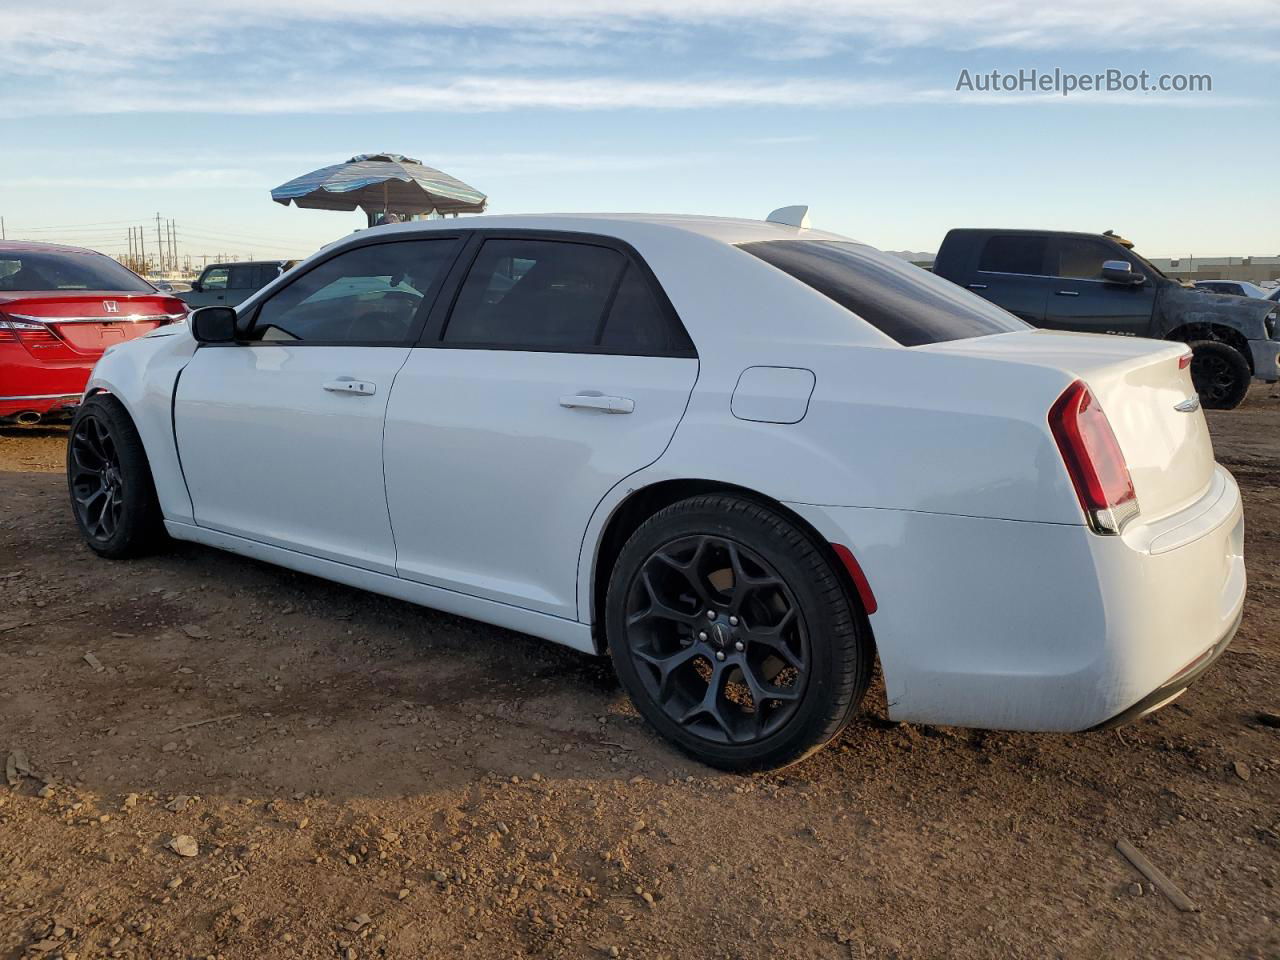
{"points": [[734, 634], [113, 497], [1220, 374]]}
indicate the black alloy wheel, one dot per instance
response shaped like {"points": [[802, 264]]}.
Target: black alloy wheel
{"points": [[735, 634], [96, 481], [718, 639]]}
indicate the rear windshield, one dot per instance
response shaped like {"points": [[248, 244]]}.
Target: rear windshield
{"points": [[27, 271], [901, 300]]}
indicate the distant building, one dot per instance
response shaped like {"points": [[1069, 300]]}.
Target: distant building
{"points": [[1253, 269]]}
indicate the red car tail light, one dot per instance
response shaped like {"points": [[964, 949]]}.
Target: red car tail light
{"points": [[1094, 460], [24, 331]]}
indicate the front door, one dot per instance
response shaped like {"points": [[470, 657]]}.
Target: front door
{"points": [[561, 370], [1079, 299], [281, 435]]}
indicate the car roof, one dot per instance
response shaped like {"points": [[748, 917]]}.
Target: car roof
{"points": [[621, 225], [33, 246]]}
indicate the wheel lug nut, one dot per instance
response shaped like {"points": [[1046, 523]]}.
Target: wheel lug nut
{"points": [[702, 634], [719, 654], [739, 646], [711, 614], [733, 621]]}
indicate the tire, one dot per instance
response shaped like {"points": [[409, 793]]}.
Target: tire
{"points": [[1220, 374], [703, 679], [113, 496]]}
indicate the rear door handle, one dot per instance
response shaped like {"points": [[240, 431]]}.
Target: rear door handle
{"points": [[1068, 293], [977, 286], [361, 388], [598, 401]]}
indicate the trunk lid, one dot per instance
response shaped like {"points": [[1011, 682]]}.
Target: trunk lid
{"points": [[58, 326], [1148, 399]]}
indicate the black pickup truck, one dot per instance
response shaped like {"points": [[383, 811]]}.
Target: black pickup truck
{"points": [[1097, 283]]}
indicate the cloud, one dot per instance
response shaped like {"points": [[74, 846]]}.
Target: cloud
{"points": [[250, 57]]}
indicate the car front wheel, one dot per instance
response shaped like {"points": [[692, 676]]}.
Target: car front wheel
{"points": [[109, 479], [734, 634], [1220, 374]]}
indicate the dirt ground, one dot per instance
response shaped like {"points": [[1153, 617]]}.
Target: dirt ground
{"points": [[359, 778]]}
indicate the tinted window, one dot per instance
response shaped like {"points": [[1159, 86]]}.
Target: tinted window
{"points": [[908, 304], [1013, 254], [244, 277], [66, 271], [639, 324], [368, 295], [1082, 259]]}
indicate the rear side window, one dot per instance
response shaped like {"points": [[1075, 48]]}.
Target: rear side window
{"points": [[561, 296], [1013, 254], [899, 299], [41, 271]]}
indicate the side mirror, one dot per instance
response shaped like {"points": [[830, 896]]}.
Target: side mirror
{"points": [[195, 286], [1121, 271], [213, 325]]}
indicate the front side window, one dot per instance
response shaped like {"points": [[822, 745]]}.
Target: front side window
{"points": [[1079, 258], [369, 295], [215, 278], [1013, 254], [896, 297], [67, 271], [563, 296]]}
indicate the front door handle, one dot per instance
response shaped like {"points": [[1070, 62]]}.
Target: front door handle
{"points": [[1068, 293], [598, 401], [361, 388]]}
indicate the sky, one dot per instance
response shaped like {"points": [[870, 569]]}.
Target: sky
{"points": [[114, 112]]}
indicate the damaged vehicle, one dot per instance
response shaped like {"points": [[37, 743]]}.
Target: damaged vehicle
{"points": [[1097, 283], [747, 460]]}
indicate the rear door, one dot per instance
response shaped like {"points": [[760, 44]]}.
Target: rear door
{"points": [[1010, 271], [281, 435], [1080, 299], [560, 369]]}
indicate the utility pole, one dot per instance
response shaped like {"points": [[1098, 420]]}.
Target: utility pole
{"points": [[3, 235], [142, 249], [173, 245], [159, 245], [129, 244]]}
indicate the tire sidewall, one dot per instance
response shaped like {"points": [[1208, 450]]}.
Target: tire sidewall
{"points": [[1234, 360], [137, 516], [823, 623]]}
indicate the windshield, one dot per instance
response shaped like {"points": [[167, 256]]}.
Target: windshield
{"points": [[896, 297], [30, 271]]}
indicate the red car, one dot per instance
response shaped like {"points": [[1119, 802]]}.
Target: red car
{"points": [[60, 307]]}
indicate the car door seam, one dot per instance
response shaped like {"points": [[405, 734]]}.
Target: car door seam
{"points": [[621, 480]]}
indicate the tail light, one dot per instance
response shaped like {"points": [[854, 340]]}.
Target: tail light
{"points": [[1094, 460], [23, 331], [176, 310]]}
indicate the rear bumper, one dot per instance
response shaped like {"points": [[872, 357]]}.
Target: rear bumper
{"points": [[1175, 687], [1266, 359], [46, 405], [1039, 626]]}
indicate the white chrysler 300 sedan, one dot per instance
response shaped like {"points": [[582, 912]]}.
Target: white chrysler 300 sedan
{"points": [[744, 458]]}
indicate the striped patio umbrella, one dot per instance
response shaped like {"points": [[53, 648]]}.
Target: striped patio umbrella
{"points": [[380, 183]]}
